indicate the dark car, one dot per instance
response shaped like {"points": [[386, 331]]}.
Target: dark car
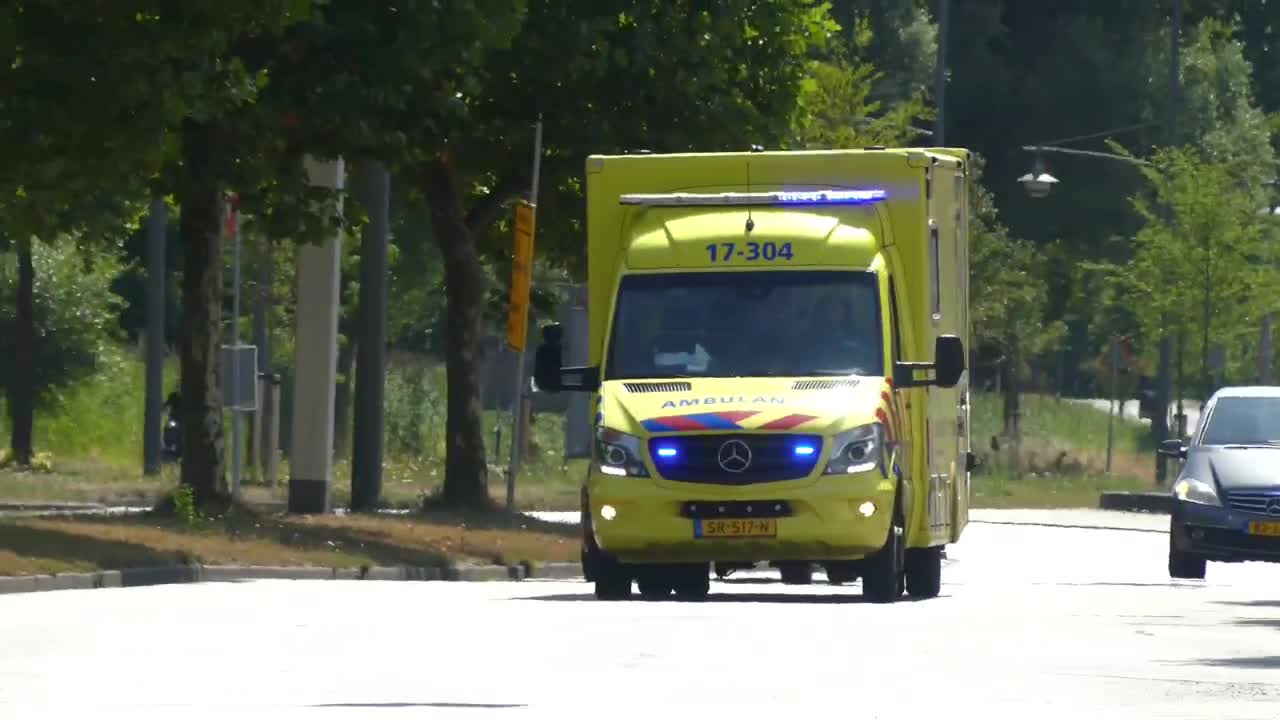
{"points": [[1226, 500]]}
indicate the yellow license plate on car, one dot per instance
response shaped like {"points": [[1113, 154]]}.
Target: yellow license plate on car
{"points": [[756, 527], [1268, 529]]}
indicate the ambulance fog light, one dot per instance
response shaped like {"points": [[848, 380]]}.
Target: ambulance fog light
{"points": [[867, 509], [608, 512]]}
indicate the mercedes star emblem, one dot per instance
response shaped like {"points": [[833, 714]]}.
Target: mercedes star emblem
{"points": [[1273, 507], [734, 456]]}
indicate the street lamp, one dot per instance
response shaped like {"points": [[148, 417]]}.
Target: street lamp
{"points": [[1038, 183]]}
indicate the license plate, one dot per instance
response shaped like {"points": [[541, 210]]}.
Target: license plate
{"points": [[758, 527], [1268, 529]]}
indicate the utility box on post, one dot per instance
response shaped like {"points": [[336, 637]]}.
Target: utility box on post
{"points": [[240, 377]]}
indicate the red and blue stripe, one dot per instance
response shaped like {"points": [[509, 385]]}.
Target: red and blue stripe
{"points": [[728, 420]]}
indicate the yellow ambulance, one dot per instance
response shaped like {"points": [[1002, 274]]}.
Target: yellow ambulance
{"points": [[777, 368]]}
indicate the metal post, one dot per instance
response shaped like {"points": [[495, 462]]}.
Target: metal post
{"points": [[1111, 416], [371, 355], [518, 416], [1160, 419], [940, 74], [271, 454], [157, 225], [236, 443]]}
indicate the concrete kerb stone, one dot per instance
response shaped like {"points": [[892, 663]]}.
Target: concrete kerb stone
{"points": [[1160, 503], [140, 577]]}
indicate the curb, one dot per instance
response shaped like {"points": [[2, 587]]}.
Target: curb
{"points": [[182, 574], [1149, 502]]}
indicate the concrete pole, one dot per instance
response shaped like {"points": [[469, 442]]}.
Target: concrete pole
{"points": [[316, 357], [157, 226], [371, 349]]}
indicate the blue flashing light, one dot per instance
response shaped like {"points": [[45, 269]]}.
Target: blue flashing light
{"points": [[804, 450], [666, 452], [831, 197]]}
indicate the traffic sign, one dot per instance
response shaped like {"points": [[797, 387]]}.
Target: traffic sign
{"points": [[521, 272]]}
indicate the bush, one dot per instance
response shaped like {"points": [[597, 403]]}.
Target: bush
{"points": [[75, 312]]}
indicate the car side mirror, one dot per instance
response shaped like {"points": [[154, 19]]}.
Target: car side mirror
{"points": [[945, 371], [549, 373], [1173, 448]]}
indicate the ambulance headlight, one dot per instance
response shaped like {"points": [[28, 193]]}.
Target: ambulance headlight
{"points": [[618, 453], [857, 450]]}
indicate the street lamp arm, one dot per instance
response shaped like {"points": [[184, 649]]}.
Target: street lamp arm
{"points": [[1104, 133], [1087, 153]]}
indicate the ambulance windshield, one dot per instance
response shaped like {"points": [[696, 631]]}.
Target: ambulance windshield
{"points": [[746, 324]]}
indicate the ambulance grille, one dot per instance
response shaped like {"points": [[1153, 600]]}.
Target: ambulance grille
{"points": [[653, 387], [772, 458], [825, 384]]}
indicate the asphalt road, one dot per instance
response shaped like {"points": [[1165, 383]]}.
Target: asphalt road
{"points": [[1036, 621]]}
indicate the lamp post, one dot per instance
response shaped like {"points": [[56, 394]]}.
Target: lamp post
{"points": [[1036, 182]]}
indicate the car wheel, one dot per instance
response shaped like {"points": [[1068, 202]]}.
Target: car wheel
{"points": [[924, 572], [1184, 565], [882, 575]]}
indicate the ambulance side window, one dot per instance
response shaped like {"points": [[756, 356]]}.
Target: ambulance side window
{"points": [[935, 297], [893, 320]]}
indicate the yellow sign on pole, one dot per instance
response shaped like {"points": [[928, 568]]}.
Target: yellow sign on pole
{"points": [[521, 272]]}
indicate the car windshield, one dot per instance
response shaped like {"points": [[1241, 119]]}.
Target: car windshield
{"points": [[1244, 421], [760, 323]]}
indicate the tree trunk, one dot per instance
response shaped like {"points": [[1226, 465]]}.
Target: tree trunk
{"points": [[342, 393], [199, 194], [466, 472], [262, 338], [22, 388]]}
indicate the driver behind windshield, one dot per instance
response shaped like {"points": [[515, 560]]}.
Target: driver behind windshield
{"points": [[841, 341]]}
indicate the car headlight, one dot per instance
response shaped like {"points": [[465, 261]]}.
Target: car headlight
{"points": [[618, 453], [1194, 491], [857, 450]]}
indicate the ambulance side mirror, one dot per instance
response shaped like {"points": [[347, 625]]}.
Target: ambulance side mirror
{"points": [[948, 359], [945, 371], [549, 373]]}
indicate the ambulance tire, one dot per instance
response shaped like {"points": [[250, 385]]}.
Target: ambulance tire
{"points": [[796, 573], [656, 582], [612, 579], [882, 573], [693, 582], [924, 572]]}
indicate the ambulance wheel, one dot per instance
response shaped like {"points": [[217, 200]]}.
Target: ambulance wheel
{"points": [[882, 580], [796, 573], [839, 573], [656, 582], [924, 572], [693, 582], [612, 579]]}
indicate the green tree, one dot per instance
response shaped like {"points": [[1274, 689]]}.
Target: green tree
{"points": [[1204, 263], [453, 116], [1008, 299], [73, 312]]}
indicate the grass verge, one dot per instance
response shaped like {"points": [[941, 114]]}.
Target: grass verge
{"points": [[91, 450], [46, 545]]}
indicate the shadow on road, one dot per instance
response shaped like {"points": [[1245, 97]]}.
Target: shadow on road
{"points": [[780, 598], [480, 706], [1250, 603], [1271, 662]]}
